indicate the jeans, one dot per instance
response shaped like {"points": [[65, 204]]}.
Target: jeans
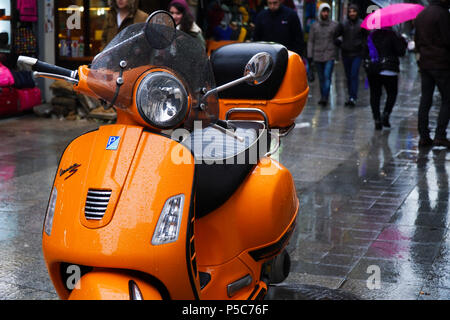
{"points": [[376, 84], [431, 79], [351, 67], [325, 70]]}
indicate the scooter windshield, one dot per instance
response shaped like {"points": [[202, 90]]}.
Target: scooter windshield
{"points": [[145, 46]]}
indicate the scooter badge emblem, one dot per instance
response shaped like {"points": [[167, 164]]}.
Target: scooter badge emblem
{"points": [[72, 170], [113, 143]]}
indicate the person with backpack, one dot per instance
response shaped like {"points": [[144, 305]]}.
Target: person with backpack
{"points": [[382, 64]]}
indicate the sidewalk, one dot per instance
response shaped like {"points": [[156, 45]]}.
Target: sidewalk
{"points": [[369, 200]]}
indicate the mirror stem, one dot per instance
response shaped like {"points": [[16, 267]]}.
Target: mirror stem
{"points": [[227, 85]]}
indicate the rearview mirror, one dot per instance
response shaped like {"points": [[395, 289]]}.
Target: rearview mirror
{"points": [[259, 67], [160, 29]]}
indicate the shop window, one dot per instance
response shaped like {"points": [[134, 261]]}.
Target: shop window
{"points": [[79, 28], [5, 26]]}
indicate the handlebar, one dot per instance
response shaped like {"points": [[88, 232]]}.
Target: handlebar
{"points": [[48, 70]]}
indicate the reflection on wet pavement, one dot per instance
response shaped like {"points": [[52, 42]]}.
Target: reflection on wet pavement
{"points": [[374, 209]]}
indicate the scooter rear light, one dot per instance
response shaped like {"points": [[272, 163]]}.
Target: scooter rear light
{"points": [[168, 227], [50, 212]]}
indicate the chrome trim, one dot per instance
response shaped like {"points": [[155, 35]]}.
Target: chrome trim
{"points": [[26, 61], [37, 74], [277, 146], [96, 204], [286, 131], [237, 285], [251, 110]]}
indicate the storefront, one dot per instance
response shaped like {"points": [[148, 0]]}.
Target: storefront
{"points": [[18, 36], [79, 26]]}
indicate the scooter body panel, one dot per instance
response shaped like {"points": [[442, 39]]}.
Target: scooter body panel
{"points": [[107, 285], [254, 225], [142, 179]]}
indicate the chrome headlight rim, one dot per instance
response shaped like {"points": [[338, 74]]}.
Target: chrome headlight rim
{"points": [[180, 117]]}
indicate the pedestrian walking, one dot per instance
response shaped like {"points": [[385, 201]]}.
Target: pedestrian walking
{"points": [[352, 50], [382, 64], [322, 50], [122, 14], [184, 20], [432, 39], [280, 24]]}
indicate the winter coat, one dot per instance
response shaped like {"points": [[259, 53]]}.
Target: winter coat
{"points": [[282, 26], [432, 37], [111, 29], [197, 33], [390, 46], [353, 37], [321, 40]]}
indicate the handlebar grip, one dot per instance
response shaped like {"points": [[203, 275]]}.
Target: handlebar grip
{"points": [[50, 68], [45, 67]]}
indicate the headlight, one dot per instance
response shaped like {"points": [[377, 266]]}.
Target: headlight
{"points": [[162, 100], [48, 223], [168, 227]]}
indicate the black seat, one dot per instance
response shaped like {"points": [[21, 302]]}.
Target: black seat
{"points": [[223, 162], [228, 63]]}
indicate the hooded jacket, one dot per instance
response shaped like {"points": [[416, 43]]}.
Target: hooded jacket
{"points": [[111, 29], [322, 36], [353, 36], [432, 36]]}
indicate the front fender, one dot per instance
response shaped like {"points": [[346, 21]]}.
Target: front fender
{"points": [[110, 285]]}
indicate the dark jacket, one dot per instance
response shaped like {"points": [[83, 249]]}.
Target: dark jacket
{"points": [[432, 36], [282, 26], [390, 47], [111, 29], [353, 37]]}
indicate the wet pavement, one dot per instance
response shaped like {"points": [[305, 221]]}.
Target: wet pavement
{"points": [[374, 221]]}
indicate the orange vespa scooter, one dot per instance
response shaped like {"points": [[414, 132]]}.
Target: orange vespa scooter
{"points": [[171, 202]]}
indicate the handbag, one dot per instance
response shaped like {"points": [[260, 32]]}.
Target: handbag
{"points": [[6, 78], [372, 67], [372, 64]]}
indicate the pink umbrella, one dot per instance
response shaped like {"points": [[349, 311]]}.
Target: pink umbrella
{"points": [[391, 15]]}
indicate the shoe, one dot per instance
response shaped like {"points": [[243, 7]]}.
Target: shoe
{"points": [[442, 143], [385, 120], [378, 125], [351, 102], [425, 142], [323, 103]]}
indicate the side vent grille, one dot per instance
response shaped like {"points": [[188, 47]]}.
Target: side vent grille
{"points": [[96, 203]]}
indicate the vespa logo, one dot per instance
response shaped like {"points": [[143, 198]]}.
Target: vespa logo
{"points": [[374, 21], [72, 170]]}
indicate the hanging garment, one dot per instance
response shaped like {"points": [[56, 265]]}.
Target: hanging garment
{"points": [[27, 10], [25, 42]]}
